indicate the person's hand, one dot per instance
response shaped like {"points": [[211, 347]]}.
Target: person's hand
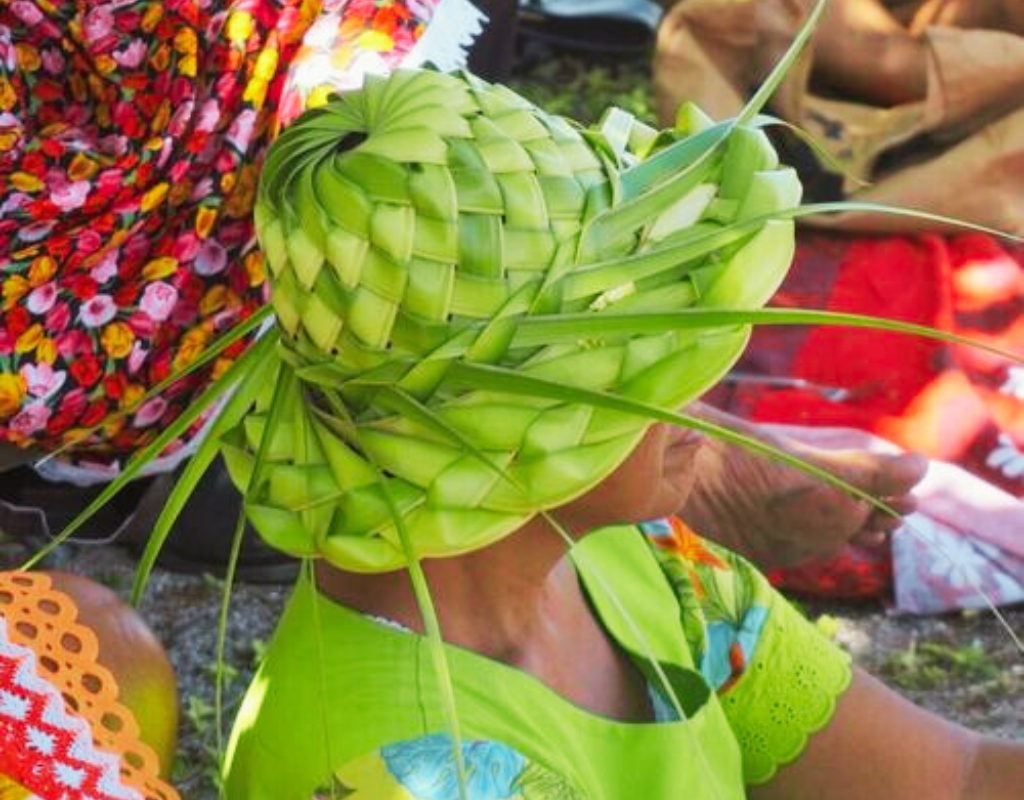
{"points": [[777, 515]]}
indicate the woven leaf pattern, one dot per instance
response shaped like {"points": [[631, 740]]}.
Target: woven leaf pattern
{"points": [[409, 227]]}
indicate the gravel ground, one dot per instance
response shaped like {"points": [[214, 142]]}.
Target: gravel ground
{"points": [[963, 666]]}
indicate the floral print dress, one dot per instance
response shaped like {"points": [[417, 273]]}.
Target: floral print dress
{"points": [[131, 137]]}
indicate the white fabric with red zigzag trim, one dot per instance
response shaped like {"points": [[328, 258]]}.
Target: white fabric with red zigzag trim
{"points": [[43, 747]]}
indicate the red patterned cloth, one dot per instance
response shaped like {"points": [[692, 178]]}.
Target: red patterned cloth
{"points": [[950, 402], [50, 751], [131, 138]]}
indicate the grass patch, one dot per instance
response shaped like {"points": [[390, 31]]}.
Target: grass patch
{"points": [[937, 665], [582, 88]]}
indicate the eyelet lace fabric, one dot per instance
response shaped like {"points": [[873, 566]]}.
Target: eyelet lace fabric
{"points": [[788, 693], [63, 732]]}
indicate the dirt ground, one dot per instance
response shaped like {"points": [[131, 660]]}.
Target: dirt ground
{"points": [[964, 666]]}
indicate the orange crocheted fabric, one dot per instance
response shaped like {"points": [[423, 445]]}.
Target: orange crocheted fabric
{"points": [[63, 733]]}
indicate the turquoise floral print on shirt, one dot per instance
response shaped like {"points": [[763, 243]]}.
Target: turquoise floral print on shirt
{"points": [[427, 769], [424, 769]]}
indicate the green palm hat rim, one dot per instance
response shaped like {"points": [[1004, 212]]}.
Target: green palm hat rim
{"points": [[411, 230]]}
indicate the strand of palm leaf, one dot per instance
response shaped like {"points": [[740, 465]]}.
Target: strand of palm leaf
{"points": [[413, 230]]}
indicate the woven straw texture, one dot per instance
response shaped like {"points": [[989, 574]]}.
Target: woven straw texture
{"points": [[416, 231]]}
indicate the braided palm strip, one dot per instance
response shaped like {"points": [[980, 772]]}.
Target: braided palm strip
{"points": [[408, 227]]}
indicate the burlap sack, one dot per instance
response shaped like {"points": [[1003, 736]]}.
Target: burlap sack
{"points": [[961, 149]]}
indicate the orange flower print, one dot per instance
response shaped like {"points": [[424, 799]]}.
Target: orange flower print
{"points": [[25, 182], [82, 167], [205, 218], [688, 545], [161, 118], [29, 59], [228, 181], [161, 58], [154, 197], [351, 26], [104, 64], [117, 340], [42, 270], [8, 97], [185, 41], [28, 341], [46, 351], [15, 287], [214, 300], [242, 192], [186, 44], [159, 268], [220, 366], [674, 536], [133, 394], [253, 264], [385, 20], [12, 390], [9, 137], [154, 13], [192, 345]]}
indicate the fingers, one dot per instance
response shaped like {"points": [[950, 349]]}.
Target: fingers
{"points": [[880, 520], [890, 479], [880, 525], [895, 475], [872, 540]]}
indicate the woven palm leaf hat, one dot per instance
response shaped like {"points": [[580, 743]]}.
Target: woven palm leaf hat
{"points": [[468, 291]]}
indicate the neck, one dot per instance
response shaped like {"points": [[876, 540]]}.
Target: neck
{"points": [[517, 601], [499, 601]]}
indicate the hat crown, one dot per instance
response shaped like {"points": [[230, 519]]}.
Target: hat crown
{"points": [[417, 231]]}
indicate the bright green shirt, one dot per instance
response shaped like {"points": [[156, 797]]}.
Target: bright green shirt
{"points": [[347, 706]]}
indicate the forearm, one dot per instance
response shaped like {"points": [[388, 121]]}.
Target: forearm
{"points": [[996, 771], [880, 746]]}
